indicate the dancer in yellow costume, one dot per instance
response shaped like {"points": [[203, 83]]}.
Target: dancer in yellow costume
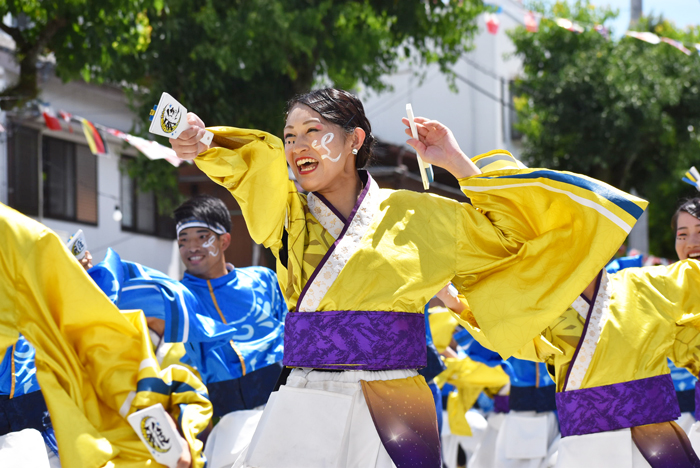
{"points": [[615, 397], [686, 226], [357, 263], [95, 364], [469, 378]]}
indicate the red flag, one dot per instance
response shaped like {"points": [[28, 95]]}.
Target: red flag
{"points": [[531, 22], [492, 23], [52, 122]]}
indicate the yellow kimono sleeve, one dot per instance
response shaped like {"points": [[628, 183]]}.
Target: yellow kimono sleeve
{"points": [[180, 392], [90, 358], [251, 165], [539, 349], [532, 240], [442, 327], [673, 291], [469, 378]]}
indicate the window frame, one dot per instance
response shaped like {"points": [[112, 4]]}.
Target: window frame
{"points": [[44, 183]]}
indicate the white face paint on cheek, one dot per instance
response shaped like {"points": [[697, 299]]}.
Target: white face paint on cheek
{"points": [[327, 138], [207, 245]]}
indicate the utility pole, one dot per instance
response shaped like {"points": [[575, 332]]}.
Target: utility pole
{"points": [[635, 11]]}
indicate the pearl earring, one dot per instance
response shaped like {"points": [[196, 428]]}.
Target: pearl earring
{"points": [[354, 151]]}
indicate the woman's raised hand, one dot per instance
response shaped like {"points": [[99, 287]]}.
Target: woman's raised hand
{"points": [[187, 145], [437, 145]]}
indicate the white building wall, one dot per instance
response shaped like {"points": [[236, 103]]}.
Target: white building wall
{"points": [[476, 119], [107, 106]]}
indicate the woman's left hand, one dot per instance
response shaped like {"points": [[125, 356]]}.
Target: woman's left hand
{"points": [[437, 145]]}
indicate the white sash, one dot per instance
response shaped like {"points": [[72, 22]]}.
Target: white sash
{"points": [[346, 244], [596, 315]]}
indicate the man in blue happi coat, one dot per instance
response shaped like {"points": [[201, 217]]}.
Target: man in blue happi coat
{"points": [[240, 374], [230, 320]]}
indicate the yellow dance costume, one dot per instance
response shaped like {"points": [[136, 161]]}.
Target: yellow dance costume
{"points": [[356, 287], [95, 364]]}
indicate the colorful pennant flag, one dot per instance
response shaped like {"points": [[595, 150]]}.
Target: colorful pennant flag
{"points": [[676, 44], [151, 149], [569, 25], [602, 30], [532, 22], [651, 38], [52, 123], [67, 118], [492, 23], [692, 177], [93, 138]]}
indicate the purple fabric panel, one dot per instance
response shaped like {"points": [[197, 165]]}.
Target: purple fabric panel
{"points": [[501, 404], [368, 340], [697, 400], [360, 199], [617, 406], [585, 326]]}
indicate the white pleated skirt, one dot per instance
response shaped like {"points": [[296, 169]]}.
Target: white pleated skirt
{"points": [[230, 437], [519, 439], [319, 420], [612, 449]]}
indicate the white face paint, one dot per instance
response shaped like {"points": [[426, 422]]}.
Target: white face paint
{"points": [[327, 138], [207, 245]]}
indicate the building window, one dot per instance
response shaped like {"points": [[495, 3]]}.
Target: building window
{"points": [[23, 169], [140, 210], [70, 181]]}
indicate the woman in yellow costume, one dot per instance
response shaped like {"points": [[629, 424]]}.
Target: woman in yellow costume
{"points": [[357, 263], [608, 356], [686, 225], [95, 364]]}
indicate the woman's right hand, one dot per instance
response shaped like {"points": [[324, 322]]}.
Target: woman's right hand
{"points": [[187, 145]]}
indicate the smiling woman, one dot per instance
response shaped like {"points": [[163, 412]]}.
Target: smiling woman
{"points": [[357, 264], [686, 225]]}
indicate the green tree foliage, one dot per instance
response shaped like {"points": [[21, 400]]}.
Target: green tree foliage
{"points": [[623, 111], [239, 62], [85, 38]]}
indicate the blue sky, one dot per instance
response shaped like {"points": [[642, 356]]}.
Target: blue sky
{"points": [[682, 12]]}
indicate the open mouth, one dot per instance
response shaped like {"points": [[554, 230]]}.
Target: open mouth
{"points": [[695, 255], [196, 258], [306, 165]]}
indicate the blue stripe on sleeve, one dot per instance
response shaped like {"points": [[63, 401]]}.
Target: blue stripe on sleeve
{"points": [[627, 205]]}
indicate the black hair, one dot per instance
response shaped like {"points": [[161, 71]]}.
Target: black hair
{"points": [[343, 109], [204, 208], [690, 206]]}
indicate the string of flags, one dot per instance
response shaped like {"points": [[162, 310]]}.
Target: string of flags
{"points": [[532, 19], [151, 149], [692, 177]]}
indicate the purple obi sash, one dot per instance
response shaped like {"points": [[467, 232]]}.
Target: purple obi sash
{"points": [[697, 401], [501, 404], [355, 340], [617, 406]]}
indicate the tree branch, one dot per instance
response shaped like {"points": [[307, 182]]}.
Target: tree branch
{"points": [[50, 30], [15, 34]]}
